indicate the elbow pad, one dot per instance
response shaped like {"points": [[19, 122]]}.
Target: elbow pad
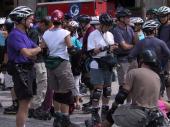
{"points": [[72, 50], [121, 96]]}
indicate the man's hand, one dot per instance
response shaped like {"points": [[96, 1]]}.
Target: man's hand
{"points": [[113, 47], [42, 45]]}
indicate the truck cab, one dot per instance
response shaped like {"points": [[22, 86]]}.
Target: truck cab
{"points": [[76, 7]]}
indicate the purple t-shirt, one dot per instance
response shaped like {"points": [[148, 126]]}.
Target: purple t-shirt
{"points": [[151, 43], [123, 34], [16, 41], [164, 34]]}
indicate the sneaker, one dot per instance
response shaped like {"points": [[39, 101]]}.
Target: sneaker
{"points": [[62, 120], [40, 114], [11, 110], [95, 115]]}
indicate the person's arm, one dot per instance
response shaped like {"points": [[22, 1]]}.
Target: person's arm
{"points": [[120, 40], [20, 46], [71, 49], [165, 49], [135, 51], [30, 52], [167, 106]]}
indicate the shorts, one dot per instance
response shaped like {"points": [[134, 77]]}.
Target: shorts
{"points": [[125, 116], [100, 76], [24, 83], [61, 79]]}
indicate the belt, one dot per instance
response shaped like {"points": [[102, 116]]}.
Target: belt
{"points": [[25, 65], [143, 108]]}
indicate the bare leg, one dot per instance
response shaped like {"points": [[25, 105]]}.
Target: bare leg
{"points": [[22, 112]]}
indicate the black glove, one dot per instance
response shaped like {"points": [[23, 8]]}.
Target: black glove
{"points": [[110, 112]]}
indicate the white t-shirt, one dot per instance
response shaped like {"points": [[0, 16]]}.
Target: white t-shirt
{"points": [[97, 40], [55, 41]]}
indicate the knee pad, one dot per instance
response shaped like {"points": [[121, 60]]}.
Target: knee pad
{"points": [[96, 95], [64, 98], [107, 91]]}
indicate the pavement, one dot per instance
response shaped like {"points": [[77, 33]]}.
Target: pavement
{"points": [[78, 117]]}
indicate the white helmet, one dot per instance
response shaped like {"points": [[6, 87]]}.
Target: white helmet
{"points": [[136, 20], [2, 20], [163, 10], [150, 25], [94, 20], [21, 12], [73, 24]]}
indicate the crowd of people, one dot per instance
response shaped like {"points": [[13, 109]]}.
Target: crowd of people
{"points": [[51, 61]]}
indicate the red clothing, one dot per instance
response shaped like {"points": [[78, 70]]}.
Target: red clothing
{"points": [[89, 30]]}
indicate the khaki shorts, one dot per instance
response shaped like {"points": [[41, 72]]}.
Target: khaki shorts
{"points": [[125, 116], [61, 79], [123, 70]]}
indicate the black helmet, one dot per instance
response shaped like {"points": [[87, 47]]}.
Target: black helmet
{"points": [[152, 11], [68, 16], [123, 13], [9, 24], [149, 56], [84, 19], [106, 19]]}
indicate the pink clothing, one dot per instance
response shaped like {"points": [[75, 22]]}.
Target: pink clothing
{"points": [[161, 105]]}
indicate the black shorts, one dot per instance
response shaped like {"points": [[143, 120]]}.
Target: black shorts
{"points": [[24, 82]]}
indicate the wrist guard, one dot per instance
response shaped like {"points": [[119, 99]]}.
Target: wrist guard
{"points": [[121, 96]]}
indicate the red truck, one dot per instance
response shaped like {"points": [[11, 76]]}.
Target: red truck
{"points": [[77, 7]]}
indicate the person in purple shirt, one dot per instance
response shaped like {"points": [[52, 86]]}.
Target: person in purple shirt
{"points": [[152, 43], [21, 52], [124, 37], [164, 34]]}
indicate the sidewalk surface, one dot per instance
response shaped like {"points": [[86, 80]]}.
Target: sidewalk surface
{"points": [[9, 120]]}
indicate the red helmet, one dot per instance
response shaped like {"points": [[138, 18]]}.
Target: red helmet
{"points": [[57, 15]]}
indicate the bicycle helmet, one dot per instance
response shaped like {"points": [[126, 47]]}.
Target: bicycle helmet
{"points": [[2, 20], [123, 13], [84, 19], [164, 10], [106, 19], [151, 11], [136, 20], [68, 16], [9, 24], [73, 24], [150, 25], [148, 56], [94, 20], [57, 16], [20, 12]]}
